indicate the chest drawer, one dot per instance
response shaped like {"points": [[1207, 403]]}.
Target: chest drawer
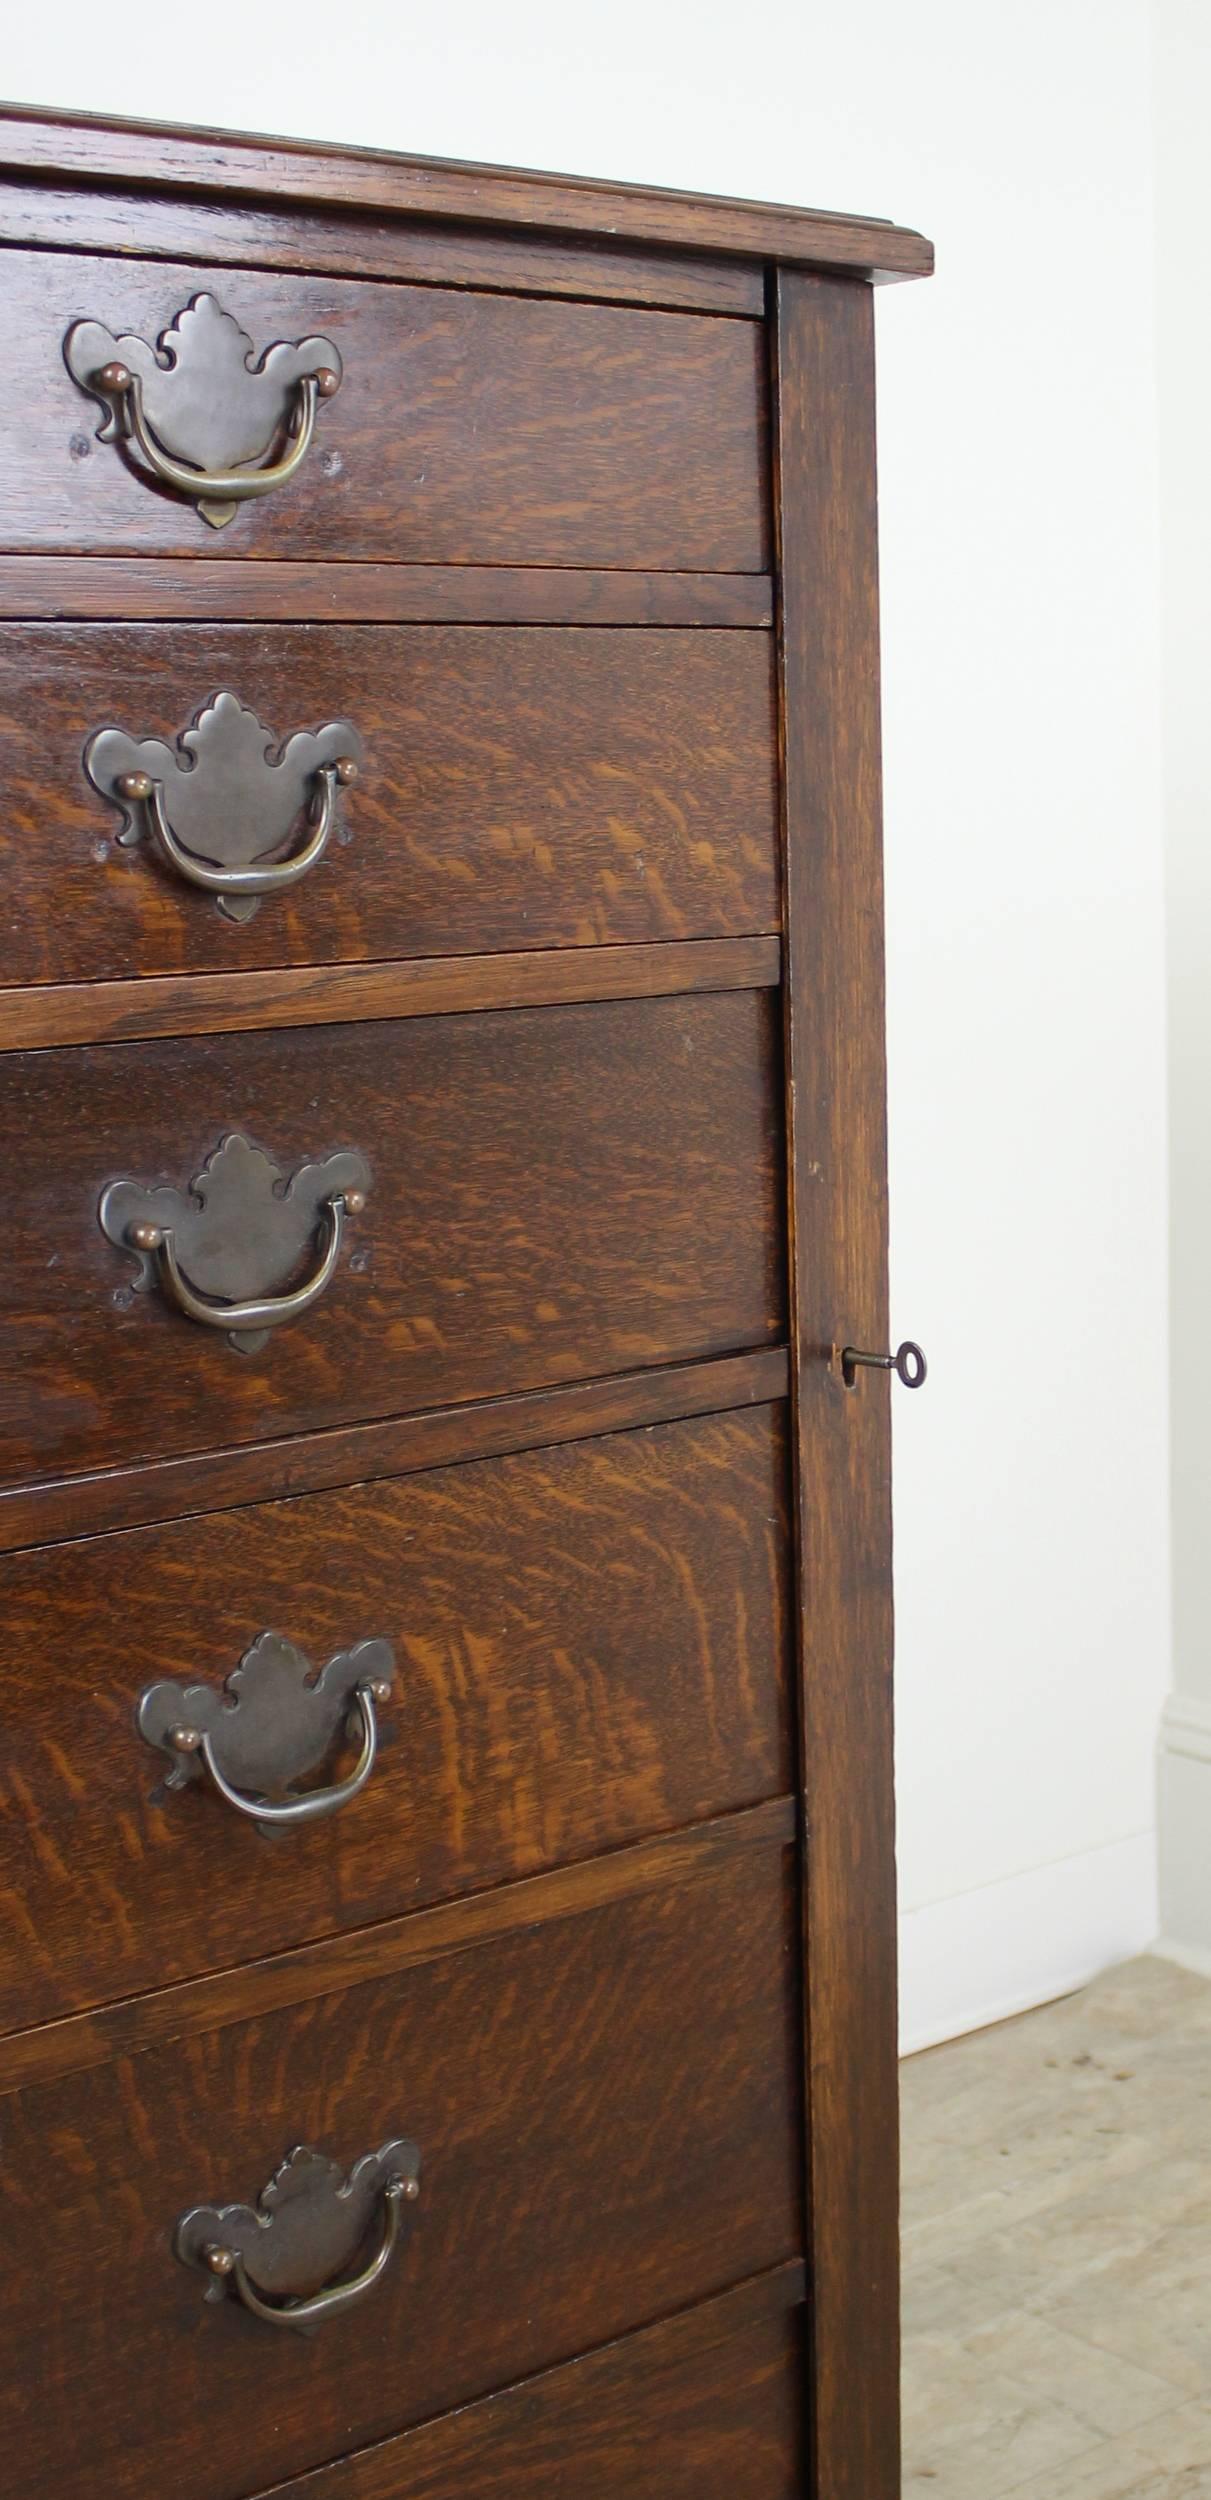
{"points": [[548, 1196], [708, 2401], [606, 2116], [466, 428], [517, 788], [589, 1646]]}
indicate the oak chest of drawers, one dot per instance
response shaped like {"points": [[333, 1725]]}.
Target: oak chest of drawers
{"points": [[447, 1959]]}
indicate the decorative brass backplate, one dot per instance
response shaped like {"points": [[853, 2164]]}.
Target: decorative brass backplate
{"points": [[272, 1722], [222, 800], [285, 2256], [225, 1250], [200, 412]]}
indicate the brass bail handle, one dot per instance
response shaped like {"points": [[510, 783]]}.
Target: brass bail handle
{"points": [[269, 1310], [140, 790], [314, 1802], [287, 2257], [908, 1363], [228, 2265], [220, 486]]}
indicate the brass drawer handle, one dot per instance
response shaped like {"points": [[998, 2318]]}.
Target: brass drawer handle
{"points": [[234, 796], [223, 488], [262, 1311], [199, 410], [306, 2226], [271, 1722], [209, 1248], [326, 2304], [320, 1801]]}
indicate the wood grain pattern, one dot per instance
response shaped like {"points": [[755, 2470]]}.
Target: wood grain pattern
{"points": [[240, 1002], [520, 789], [132, 1497], [648, 2043], [591, 1646], [467, 429], [357, 244], [40, 142], [105, 587], [708, 2400], [608, 2118], [135, 2025], [838, 1165], [555, 1195]]}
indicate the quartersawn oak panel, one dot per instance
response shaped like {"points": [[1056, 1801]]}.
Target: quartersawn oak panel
{"points": [[63, 1507], [527, 788], [556, 1195], [132, 2025], [711, 2400], [591, 1647], [607, 2110], [467, 429]]}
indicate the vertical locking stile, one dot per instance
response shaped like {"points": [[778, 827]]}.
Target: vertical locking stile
{"points": [[824, 486]]}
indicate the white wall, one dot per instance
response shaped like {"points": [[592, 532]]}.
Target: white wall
{"points": [[1183, 302], [1025, 912]]}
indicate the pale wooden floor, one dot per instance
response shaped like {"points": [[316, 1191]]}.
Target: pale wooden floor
{"points": [[1057, 2250]]}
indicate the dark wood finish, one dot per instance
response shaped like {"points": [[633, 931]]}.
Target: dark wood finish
{"points": [[147, 153], [530, 788], [239, 1002], [607, 2111], [823, 342], [708, 2401], [126, 587], [131, 1497], [135, 2025], [467, 429], [566, 1936], [357, 244], [531, 1724], [574, 1191]]}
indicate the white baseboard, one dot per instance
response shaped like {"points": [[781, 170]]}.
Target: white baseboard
{"points": [[1185, 1831], [1187, 1956], [1009, 1946]]}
